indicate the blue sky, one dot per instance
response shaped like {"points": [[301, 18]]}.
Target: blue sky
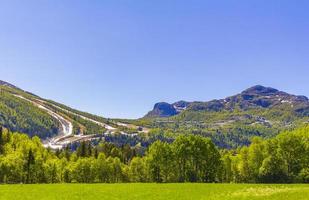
{"points": [[118, 58]]}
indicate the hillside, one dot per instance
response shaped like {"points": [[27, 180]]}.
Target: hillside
{"points": [[253, 98], [20, 115], [55, 123], [230, 122], [257, 111]]}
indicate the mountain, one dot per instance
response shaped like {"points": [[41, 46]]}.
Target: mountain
{"points": [[229, 122], [253, 98], [53, 122], [164, 109], [232, 121]]}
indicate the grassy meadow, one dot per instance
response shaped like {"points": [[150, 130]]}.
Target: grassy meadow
{"points": [[154, 192]]}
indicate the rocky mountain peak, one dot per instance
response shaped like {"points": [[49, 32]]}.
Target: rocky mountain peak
{"points": [[162, 109], [260, 90], [252, 98]]}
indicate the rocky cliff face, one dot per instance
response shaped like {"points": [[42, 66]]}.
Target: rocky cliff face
{"points": [[162, 109]]}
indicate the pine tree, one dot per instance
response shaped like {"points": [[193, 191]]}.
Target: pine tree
{"points": [[89, 150], [96, 153], [30, 162], [82, 150], [1, 140]]}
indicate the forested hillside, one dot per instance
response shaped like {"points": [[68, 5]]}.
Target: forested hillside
{"points": [[30, 118], [20, 115], [233, 121], [283, 159], [52, 122]]}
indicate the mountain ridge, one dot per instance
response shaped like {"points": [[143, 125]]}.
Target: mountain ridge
{"points": [[256, 96], [229, 122], [56, 124]]}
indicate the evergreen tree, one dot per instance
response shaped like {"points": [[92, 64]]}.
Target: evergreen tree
{"points": [[29, 166], [1, 141], [82, 149]]}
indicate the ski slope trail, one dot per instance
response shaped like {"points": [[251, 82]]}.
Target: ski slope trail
{"points": [[65, 130]]}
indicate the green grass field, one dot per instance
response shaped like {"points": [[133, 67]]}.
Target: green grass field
{"points": [[154, 191]]}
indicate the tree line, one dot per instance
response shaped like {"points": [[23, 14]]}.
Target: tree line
{"points": [[190, 158]]}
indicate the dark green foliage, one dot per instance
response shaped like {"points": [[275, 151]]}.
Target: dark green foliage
{"points": [[20, 115], [82, 151], [1, 141], [29, 166]]}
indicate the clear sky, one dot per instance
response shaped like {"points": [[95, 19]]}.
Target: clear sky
{"points": [[117, 58]]}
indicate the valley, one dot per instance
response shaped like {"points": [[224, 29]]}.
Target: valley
{"points": [[257, 136], [154, 100]]}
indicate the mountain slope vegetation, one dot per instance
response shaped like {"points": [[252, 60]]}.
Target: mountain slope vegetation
{"points": [[230, 122], [20, 115], [22, 111], [256, 97], [233, 121]]}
